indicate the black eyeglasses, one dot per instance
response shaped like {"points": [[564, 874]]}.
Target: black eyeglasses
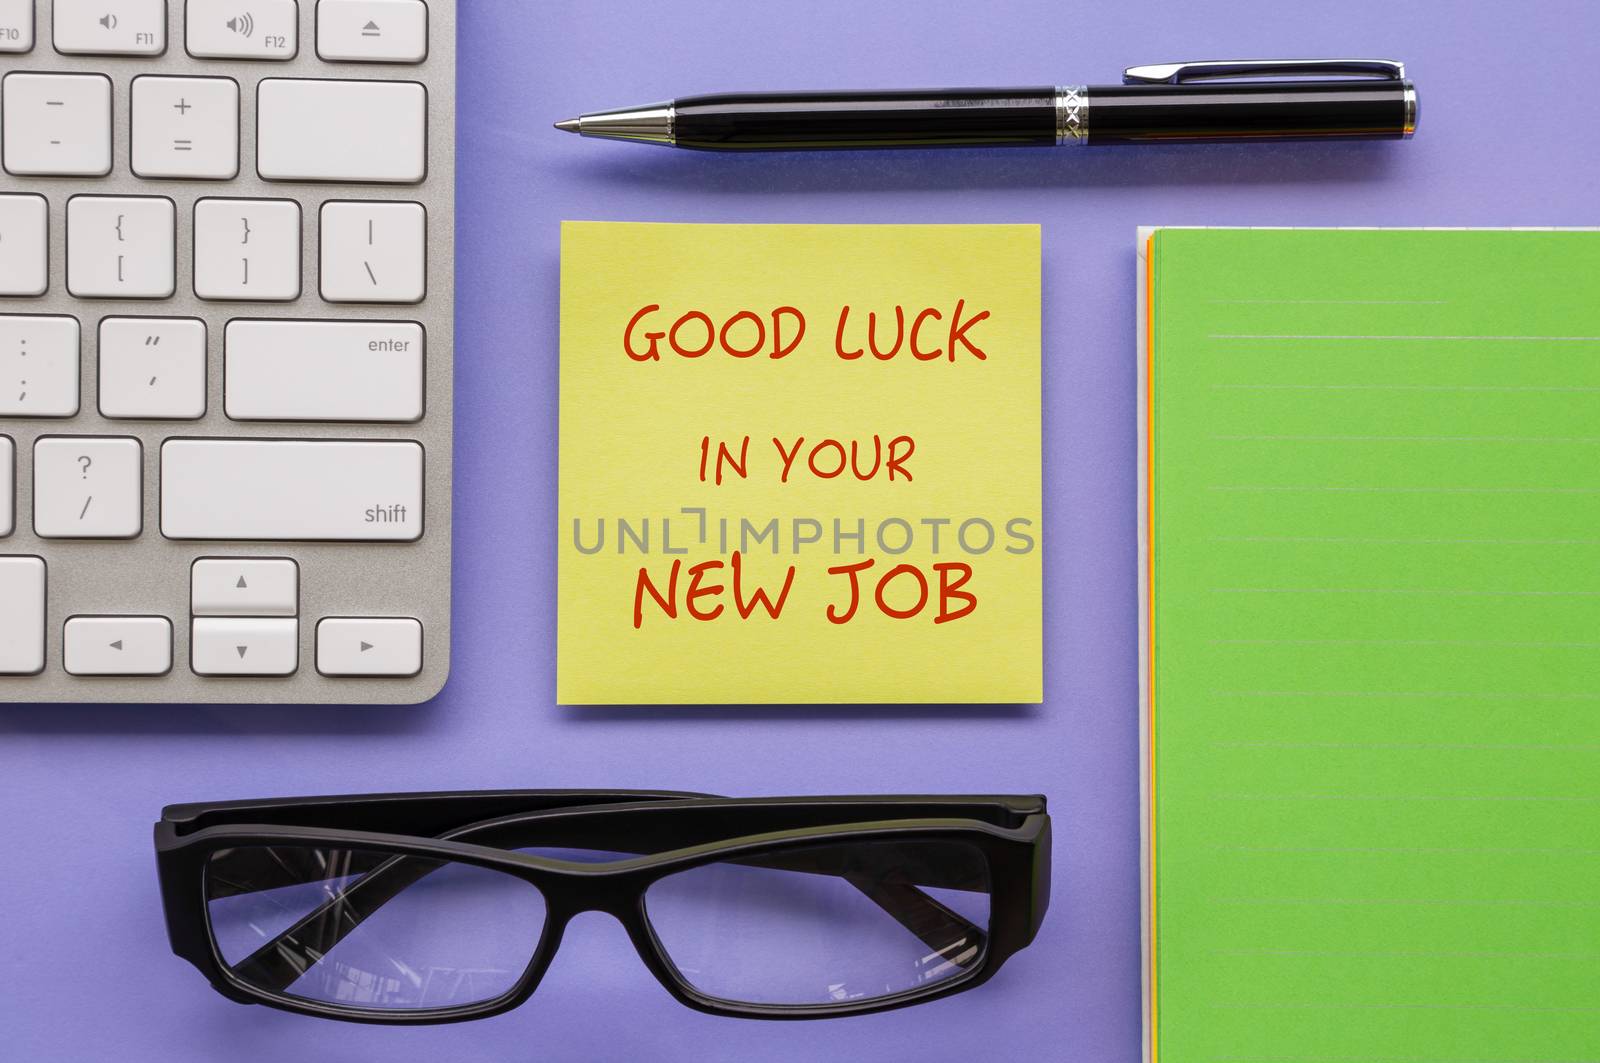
{"points": [[422, 908]]}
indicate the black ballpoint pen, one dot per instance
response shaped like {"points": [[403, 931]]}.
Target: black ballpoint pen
{"points": [[1254, 99]]}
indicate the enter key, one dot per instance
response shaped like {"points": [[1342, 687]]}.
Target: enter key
{"points": [[324, 371]]}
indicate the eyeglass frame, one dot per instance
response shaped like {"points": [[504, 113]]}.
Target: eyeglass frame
{"points": [[1011, 832]]}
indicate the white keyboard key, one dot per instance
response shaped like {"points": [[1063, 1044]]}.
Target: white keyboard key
{"points": [[245, 646], [291, 489], [97, 27], [117, 645], [8, 486], [324, 371], [369, 645], [38, 366], [88, 487], [374, 252], [21, 615], [312, 130], [245, 586], [56, 124], [153, 368], [247, 249], [373, 31], [120, 247], [242, 29], [16, 25], [186, 127], [24, 245]]}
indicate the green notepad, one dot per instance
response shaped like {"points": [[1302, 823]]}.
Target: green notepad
{"points": [[1372, 639]]}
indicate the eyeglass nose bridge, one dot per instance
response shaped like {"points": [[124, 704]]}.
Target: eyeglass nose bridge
{"points": [[622, 897], [618, 894]]}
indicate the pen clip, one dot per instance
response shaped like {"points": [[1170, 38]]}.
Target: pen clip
{"points": [[1216, 69]]}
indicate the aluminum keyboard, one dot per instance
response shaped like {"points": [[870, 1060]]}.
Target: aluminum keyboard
{"points": [[226, 295]]}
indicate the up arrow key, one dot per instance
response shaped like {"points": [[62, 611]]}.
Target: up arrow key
{"points": [[245, 587]]}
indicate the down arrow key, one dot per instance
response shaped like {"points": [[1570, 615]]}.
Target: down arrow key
{"points": [[235, 646]]}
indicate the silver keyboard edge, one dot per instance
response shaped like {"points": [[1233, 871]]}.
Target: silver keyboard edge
{"points": [[150, 575]]}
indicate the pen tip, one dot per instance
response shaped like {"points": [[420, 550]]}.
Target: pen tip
{"points": [[571, 125]]}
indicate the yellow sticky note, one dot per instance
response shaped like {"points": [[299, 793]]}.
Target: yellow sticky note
{"points": [[799, 463]]}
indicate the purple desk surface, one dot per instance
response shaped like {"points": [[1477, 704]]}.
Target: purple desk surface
{"points": [[1507, 137]]}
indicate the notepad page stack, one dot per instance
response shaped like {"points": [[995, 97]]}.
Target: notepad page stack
{"points": [[1371, 582]]}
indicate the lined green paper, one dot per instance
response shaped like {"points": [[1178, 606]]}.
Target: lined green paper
{"points": [[1376, 646]]}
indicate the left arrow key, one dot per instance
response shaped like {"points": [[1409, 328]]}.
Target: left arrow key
{"points": [[117, 645]]}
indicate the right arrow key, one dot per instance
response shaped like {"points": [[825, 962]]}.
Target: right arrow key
{"points": [[369, 646]]}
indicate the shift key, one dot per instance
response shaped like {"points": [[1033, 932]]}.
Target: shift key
{"points": [[287, 490]]}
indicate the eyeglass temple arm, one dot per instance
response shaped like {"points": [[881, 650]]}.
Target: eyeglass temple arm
{"points": [[953, 938], [279, 963]]}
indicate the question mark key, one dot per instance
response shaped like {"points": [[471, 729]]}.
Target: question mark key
{"points": [[88, 487]]}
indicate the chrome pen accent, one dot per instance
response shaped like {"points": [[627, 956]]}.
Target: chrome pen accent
{"points": [[1233, 69], [1072, 115], [652, 124]]}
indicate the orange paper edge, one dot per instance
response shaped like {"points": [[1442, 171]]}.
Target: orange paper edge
{"points": [[1150, 605]]}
